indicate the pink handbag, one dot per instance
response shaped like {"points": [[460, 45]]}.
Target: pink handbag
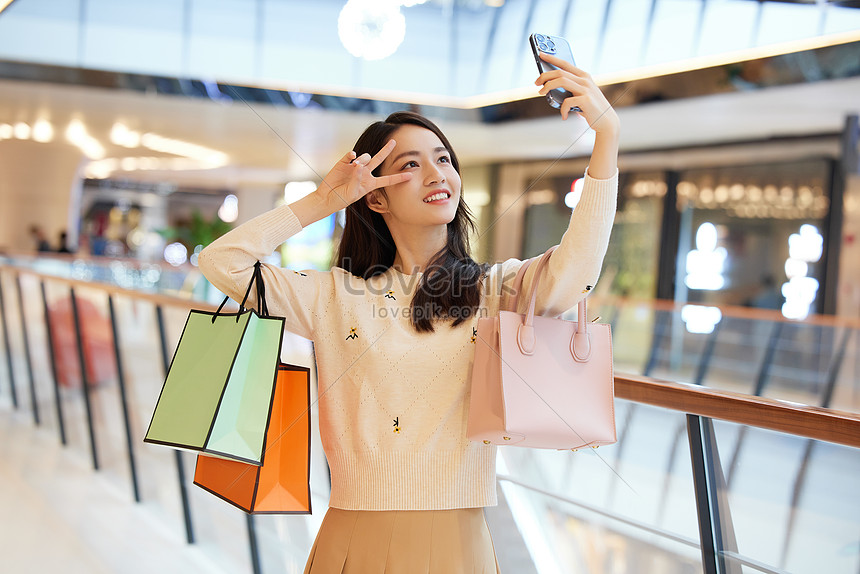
{"points": [[542, 382]]}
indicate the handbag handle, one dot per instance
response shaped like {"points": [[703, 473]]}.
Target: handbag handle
{"points": [[580, 342], [256, 277]]}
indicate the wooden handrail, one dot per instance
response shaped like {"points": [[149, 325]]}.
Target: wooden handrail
{"points": [[811, 422], [154, 298], [749, 313], [806, 421]]}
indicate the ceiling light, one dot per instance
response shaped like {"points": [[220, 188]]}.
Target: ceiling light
{"points": [[6, 131], [22, 131], [371, 29], [43, 131], [121, 135], [118, 133], [208, 157], [76, 132]]}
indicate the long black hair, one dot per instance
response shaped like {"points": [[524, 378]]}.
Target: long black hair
{"points": [[450, 287]]}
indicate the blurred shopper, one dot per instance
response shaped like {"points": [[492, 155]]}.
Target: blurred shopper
{"points": [[767, 295], [64, 243], [394, 327], [39, 238]]}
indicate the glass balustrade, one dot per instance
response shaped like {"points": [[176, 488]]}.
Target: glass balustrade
{"points": [[785, 503]]}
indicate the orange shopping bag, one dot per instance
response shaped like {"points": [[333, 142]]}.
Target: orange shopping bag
{"points": [[281, 485]]}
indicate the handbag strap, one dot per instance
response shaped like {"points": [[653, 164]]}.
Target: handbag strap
{"points": [[518, 285], [579, 345]]}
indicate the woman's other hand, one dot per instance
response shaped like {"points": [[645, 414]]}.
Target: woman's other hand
{"points": [[352, 178], [596, 109]]}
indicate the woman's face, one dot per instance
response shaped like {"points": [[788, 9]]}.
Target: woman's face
{"points": [[421, 152]]}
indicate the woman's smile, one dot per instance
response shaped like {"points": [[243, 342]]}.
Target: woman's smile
{"points": [[438, 197]]}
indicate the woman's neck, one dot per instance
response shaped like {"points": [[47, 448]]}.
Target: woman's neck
{"points": [[416, 248]]}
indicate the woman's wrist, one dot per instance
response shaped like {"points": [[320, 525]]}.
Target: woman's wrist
{"points": [[311, 208], [608, 126], [604, 156]]}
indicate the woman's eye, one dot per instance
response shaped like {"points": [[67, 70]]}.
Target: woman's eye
{"points": [[409, 164], [445, 159]]}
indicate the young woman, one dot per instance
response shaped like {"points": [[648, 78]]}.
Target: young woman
{"points": [[394, 327]]}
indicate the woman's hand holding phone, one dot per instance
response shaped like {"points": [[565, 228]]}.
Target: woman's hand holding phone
{"points": [[594, 106]]}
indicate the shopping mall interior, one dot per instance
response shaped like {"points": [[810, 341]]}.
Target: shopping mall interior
{"points": [[133, 133]]}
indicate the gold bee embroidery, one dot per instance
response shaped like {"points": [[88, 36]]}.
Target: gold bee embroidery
{"points": [[352, 334], [300, 273], [474, 335], [587, 288], [390, 295], [397, 425]]}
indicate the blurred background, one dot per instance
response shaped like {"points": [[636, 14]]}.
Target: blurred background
{"points": [[133, 133]]}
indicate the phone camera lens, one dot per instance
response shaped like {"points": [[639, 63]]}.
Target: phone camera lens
{"points": [[540, 38], [550, 44]]}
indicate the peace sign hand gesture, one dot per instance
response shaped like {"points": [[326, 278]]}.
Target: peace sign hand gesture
{"points": [[352, 178], [586, 95]]}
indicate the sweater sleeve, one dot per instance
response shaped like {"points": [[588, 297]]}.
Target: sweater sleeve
{"points": [[228, 263], [574, 267]]}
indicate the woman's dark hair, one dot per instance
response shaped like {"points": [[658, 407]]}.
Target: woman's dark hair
{"points": [[450, 287]]}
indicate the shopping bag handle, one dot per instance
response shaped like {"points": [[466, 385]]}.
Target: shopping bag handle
{"points": [[256, 277]]}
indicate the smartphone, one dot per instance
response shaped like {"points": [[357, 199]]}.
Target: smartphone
{"points": [[555, 46]]}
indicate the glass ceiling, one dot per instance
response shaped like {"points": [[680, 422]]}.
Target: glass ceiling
{"points": [[458, 53]]}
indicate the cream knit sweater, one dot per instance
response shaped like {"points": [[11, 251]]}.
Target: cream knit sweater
{"points": [[393, 403]]}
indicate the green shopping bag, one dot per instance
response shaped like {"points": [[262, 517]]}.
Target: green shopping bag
{"points": [[219, 388]]}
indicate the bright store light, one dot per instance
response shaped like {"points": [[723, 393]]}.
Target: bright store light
{"points": [[6, 131], [410, 3], [699, 319], [176, 254], [800, 291], [799, 295], [796, 268], [295, 190], [43, 131], [808, 245], [705, 264], [571, 199], [371, 29], [706, 237], [229, 210], [22, 131]]}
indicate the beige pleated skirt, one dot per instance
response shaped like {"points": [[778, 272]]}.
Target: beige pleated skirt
{"points": [[403, 542]]}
